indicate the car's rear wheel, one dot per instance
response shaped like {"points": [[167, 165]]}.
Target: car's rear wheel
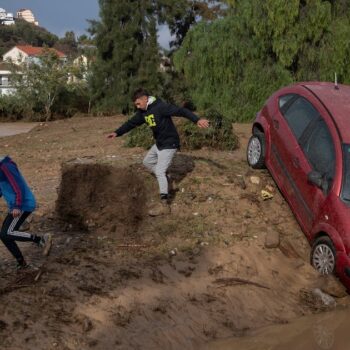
{"points": [[323, 255], [256, 150]]}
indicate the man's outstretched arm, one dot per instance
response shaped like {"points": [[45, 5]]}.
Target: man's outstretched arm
{"points": [[174, 111], [132, 123]]}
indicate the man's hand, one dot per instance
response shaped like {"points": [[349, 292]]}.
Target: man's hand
{"points": [[16, 213], [112, 135], [203, 123]]}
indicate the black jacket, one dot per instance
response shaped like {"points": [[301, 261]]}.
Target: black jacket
{"points": [[158, 118]]}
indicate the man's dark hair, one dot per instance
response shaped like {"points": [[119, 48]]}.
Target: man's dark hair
{"points": [[139, 93]]}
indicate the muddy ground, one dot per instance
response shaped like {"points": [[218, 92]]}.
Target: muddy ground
{"points": [[118, 279]]}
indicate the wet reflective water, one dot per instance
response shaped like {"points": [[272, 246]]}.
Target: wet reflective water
{"points": [[9, 129], [326, 331]]}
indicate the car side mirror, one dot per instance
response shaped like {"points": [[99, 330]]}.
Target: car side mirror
{"points": [[315, 178]]}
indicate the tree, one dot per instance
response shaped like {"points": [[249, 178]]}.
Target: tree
{"points": [[68, 44], [181, 15], [127, 53], [39, 84], [264, 44]]}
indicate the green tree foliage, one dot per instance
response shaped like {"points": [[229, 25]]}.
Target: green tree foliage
{"points": [[24, 33], [43, 87], [182, 14], [68, 44], [127, 53], [236, 62]]}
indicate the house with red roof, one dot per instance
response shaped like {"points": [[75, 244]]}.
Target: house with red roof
{"points": [[27, 53]]}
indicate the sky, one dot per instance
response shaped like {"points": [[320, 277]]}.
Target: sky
{"points": [[60, 16]]}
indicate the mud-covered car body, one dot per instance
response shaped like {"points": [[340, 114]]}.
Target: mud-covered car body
{"points": [[303, 132]]}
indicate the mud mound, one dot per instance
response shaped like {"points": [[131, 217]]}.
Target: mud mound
{"points": [[100, 197]]}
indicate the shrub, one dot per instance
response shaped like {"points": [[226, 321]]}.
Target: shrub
{"points": [[218, 136], [13, 108]]}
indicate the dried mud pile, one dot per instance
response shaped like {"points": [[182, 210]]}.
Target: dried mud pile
{"points": [[100, 197]]}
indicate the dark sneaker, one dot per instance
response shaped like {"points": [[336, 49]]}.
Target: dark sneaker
{"points": [[26, 267], [162, 208], [46, 243], [22, 266]]}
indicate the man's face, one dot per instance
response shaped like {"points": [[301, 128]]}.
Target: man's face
{"points": [[141, 102]]}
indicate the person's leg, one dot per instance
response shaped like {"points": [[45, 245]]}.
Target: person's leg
{"points": [[9, 235], [165, 158], [151, 158]]}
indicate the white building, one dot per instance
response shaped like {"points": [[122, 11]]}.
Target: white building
{"points": [[6, 18], [27, 54], [5, 80], [27, 15]]}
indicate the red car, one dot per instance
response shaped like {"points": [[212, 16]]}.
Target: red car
{"points": [[302, 135]]}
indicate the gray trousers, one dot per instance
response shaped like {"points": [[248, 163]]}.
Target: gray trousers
{"points": [[158, 162]]}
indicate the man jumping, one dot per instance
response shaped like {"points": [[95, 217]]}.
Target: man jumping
{"points": [[157, 115]]}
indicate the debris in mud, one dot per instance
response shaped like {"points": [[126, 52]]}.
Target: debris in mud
{"points": [[235, 281], [316, 300], [96, 196], [265, 195], [272, 239], [255, 180], [329, 284]]}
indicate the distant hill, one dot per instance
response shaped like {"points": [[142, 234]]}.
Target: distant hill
{"points": [[25, 33]]}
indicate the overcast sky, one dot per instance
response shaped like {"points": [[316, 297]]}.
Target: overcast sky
{"points": [[60, 16]]}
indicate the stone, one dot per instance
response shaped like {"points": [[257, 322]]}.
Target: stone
{"points": [[329, 284], [255, 180], [272, 239], [325, 298], [266, 195]]}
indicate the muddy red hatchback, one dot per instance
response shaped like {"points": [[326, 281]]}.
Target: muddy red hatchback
{"points": [[302, 135]]}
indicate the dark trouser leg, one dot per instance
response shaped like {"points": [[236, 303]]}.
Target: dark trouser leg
{"points": [[9, 234]]}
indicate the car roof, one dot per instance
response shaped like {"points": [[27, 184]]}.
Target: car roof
{"points": [[337, 101]]}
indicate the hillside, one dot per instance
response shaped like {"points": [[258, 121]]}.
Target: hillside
{"points": [[25, 33]]}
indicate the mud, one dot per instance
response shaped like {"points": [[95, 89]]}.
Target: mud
{"points": [[100, 197], [118, 279], [327, 331]]}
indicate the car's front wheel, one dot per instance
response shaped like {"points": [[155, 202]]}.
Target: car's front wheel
{"points": [[323, 255], [256, 151]]}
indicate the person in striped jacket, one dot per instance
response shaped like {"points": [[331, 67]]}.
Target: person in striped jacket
{"points": [[21, 203]]}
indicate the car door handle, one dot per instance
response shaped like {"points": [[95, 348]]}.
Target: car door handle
{"points": [[296, 162], [276, 123]]}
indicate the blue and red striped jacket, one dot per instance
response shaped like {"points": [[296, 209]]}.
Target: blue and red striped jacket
{"points": [[14, 188]]}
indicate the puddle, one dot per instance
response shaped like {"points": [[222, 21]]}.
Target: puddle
{"points": [[9, 129], [326, 331]]}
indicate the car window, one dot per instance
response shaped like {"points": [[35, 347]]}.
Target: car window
{"points": [[319, 150], [299, 115], [282, 101], [345, 194]]}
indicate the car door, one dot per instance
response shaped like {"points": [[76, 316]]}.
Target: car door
{"points": [[318, 154], [292, 118]]}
